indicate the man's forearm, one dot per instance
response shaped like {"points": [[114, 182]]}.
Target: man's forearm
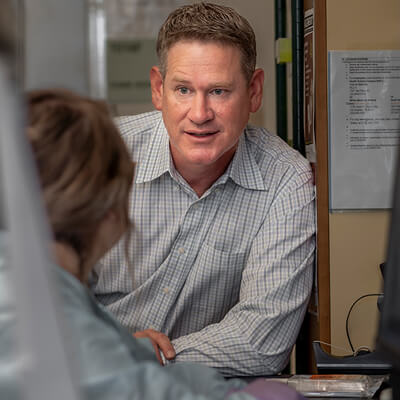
{"points": [[226, 347]]}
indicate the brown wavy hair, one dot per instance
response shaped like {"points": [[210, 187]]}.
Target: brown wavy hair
{"points": [[84, 168], [208, 22]]}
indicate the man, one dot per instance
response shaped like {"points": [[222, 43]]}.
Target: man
{"points": [[224, 213]]}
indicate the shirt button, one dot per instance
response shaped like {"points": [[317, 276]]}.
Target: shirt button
{"points": [[166, 290], [181, 250]]}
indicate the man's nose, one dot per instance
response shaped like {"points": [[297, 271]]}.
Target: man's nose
{"points": [[200, 110]]}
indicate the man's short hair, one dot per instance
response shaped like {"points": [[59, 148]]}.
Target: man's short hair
{"points": [[208, 22]]}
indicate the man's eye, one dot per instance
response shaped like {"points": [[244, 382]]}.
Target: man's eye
{"points": [[218, 92], [183, 90]]}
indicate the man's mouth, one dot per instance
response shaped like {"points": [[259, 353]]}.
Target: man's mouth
{"points": [[201, 134]]}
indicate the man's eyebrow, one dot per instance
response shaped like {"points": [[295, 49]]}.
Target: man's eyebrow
{"points": [[216, 84], [180, 80]]}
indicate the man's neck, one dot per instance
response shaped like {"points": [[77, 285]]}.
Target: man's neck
{"points": [[201, 179], [201, 176], [200, 185]]}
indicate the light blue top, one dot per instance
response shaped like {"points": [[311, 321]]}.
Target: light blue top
{"points": [[226, 276], [113, 364]]}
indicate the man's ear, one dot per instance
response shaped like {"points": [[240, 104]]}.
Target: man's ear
{"points": [[256, 90], [156, 87]]}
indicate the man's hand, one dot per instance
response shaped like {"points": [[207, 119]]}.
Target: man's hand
{"points": [[160, 342]]}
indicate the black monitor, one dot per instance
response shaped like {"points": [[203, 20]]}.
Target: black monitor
{"points": [[388, 339]]}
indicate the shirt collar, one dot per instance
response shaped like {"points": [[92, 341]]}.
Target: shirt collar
{"points": [[157, 159], [243, 169]]}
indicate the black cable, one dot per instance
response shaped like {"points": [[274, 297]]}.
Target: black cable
{"points": [[348, 315]]}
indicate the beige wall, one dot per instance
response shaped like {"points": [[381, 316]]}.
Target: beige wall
{"points": [[358, 240]]}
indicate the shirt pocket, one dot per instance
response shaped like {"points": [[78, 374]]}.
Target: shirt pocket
{"points": [[213, 285]]}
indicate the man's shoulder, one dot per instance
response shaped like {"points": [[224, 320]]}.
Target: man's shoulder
{"points": [[274, 154], [136, 125]]}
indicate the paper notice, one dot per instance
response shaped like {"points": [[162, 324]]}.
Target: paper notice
{"points": [[364, 121]]}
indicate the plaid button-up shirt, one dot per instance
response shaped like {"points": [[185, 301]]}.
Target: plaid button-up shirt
{"points": [[226, 276]]}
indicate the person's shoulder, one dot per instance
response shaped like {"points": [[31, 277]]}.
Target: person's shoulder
{"points": [[269, 148], [134, 125], [279, 164], [71, 290]]}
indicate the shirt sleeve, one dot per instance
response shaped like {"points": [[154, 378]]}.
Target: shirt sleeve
{"points": [[257, 334]]}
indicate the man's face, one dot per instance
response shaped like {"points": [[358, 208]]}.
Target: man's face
{"points": [[205, 101]]}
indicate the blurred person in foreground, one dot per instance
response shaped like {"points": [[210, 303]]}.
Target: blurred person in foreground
{"points": [[86, 174], [224, 211]]}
